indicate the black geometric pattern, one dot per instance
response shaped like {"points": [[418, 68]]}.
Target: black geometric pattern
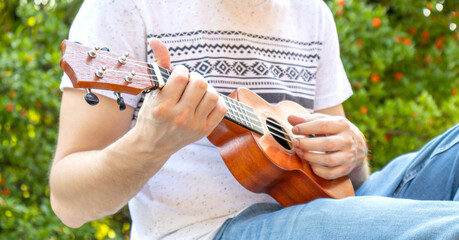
{"points": [[222, 67], [260, 68], [237, 33], [202, 67], [241, 49], [276, 68], [242, 68]]}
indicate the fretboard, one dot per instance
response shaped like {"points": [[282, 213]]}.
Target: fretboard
{"points": [[242, 114]]}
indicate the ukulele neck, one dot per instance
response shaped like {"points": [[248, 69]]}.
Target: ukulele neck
{"points": [[242, 114]]}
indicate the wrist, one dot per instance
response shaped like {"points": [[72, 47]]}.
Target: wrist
{"points": [[365, 152], [134, 149], [365, 146]]}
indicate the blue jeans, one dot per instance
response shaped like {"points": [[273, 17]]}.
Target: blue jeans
{"points": [[414, 197]]}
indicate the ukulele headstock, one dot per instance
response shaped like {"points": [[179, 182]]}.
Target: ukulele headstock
{"points": [[97, 68]]}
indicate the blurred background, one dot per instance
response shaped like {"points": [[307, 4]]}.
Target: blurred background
{"points": [[400, 56]]}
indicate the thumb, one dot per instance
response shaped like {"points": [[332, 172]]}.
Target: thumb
{"points": [[161, 54]]}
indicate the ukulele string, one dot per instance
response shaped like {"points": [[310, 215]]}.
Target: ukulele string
{"points": [[139, 75], [279, 129], [128, 60], [239, 111], [235, 107], [166, 72], [279, 136], [141, 64]]}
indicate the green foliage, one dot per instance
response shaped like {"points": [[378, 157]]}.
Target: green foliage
{"points": [[402, 66], [29, 106]]}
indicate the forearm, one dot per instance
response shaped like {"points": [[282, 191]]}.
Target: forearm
{"points": [[93, 184]]}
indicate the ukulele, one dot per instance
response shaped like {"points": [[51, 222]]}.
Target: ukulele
{"points": [[254, 138]]}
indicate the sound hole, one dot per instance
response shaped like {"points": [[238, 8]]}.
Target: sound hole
{"points": [[278, 133]]}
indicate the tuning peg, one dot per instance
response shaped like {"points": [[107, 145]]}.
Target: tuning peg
{"points": [[105, 49], [92, 53], [130, 76], [148, 90], [123, 58], [120, 101], [91, 98], [101, 71]]}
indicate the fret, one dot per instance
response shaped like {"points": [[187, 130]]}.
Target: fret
{"points": [[246, 117], [234, 116], [165, 73], [242, 114], [230, 113], [243, 117], [238, 112]]}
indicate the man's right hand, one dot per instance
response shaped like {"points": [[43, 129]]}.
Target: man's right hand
{"points": [[184, 111]]}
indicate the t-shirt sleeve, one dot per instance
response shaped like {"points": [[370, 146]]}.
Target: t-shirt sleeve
{"points": [[116, 24], [332, 86]]}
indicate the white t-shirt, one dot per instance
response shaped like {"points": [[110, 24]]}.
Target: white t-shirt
{"points": [[280, 49]]}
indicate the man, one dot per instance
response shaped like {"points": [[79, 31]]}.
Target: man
{"points": [[161, 163]]}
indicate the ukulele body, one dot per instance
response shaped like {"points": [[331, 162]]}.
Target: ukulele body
{"points": [[267, 163]]}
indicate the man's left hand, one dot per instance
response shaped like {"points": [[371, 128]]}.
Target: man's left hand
{"points": [[331, 144]]}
